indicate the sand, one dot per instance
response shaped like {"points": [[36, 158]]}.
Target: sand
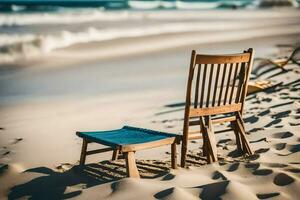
{"points": [[44, 101]]}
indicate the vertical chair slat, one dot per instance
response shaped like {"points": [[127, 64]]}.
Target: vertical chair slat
{"points": [[240, 83], [203, 86], [216, 85], [234, 81], [228, 83], [197, 87], [209, 85], [222, 84]]}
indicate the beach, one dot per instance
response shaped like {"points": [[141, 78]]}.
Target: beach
{"points": [[139, 79]]}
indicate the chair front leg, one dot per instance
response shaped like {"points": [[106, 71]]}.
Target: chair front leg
{"points": [[131, 167], [83, 152], [173, 156]]}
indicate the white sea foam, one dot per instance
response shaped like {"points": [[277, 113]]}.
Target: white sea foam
{"points": [[16, 44]]}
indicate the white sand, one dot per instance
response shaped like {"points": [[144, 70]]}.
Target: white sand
{"points": [[44, 104]]}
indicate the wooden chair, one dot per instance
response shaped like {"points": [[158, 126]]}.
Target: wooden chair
{"points": [[216, 95], [127, 141]]}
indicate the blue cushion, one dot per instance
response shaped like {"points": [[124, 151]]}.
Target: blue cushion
{"points": [[125, 136]]}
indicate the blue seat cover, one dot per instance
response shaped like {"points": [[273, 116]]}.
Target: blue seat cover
{"points": [[125, 136]]}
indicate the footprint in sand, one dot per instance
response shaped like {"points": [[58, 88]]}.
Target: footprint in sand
{"points": [[168, 177], [281, 114], [256, 129], [218, 175], [263, 172], [294, 124], [3, 167], [259, 140], [282, 135], [16, 140], [263, 113], [274, 122], [293, 148], [4, 151], [294, 170], [283, 179], [233, 167], [262, 150], [279, 146], [251, 119], [267, 195], [253, 166]]}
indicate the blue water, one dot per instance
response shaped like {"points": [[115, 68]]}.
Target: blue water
{"points": [[58, 5]]}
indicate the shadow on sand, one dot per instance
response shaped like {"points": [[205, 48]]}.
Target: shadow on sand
{"points": [[67, 184]]}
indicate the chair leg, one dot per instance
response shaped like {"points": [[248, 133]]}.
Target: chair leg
{"points": [[173, 156], [115, 154], [131, 167], [241, 129], [245, 143], [237, 136], [83, 152], [204, 146], [183, 153], [211, 146]]}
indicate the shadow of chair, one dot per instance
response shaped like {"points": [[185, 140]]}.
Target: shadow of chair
{"points": [[70, 183]]}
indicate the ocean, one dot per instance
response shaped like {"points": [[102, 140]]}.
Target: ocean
{"points": [[30, 28]]}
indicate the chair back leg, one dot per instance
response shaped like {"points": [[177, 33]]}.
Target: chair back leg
{"points": [[183, 153], [241, 128], [210, 143]]}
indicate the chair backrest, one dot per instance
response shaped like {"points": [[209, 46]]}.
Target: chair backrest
{"points": [[217, 84]]}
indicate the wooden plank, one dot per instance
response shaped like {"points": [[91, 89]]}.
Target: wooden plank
{"points": [[98, 151], [203, 86], [240, 83], [249, 69], [234, 82], [83, 152], [198, 112], [173, 156], [131, 167], [195, 136], [205, 144], [209, 85], [187, 110], [215, 121], [216, 85], [148, 145], [228, 84], [222, 83], [197, 87], [220, 59]]}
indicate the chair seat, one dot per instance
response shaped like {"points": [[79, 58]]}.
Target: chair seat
{"points": [[125, 136]]}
